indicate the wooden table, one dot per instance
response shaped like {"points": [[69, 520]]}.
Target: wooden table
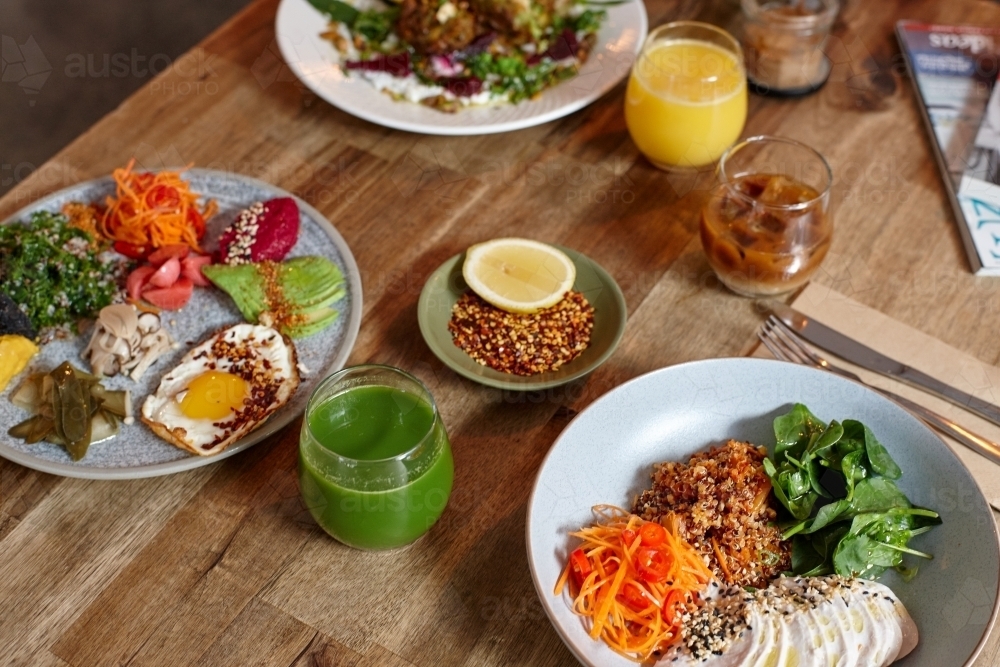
{"points": [[220, 566]]}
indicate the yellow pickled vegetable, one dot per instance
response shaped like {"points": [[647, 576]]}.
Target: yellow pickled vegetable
{"points": [[15, 353]]}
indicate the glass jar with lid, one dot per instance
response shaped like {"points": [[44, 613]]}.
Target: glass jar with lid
{"points": [[784, 42]]}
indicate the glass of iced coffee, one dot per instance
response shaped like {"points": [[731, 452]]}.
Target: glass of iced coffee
{"points": [[767, 226]]}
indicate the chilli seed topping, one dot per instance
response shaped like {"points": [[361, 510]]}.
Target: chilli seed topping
{"points": [[256, 371], [522, 344]]}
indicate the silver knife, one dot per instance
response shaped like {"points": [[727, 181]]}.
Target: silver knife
{"points": [[847, 348]]}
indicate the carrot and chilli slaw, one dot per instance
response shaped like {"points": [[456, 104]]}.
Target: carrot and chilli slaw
{"points": [[633, 579], [153, 209]]}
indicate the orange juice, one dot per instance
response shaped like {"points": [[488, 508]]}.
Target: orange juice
{"points": [[686, 102]]}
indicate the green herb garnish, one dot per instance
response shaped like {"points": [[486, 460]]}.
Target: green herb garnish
{"points": [[589, 20], [336, 10], [848, 515], [513, 76], [375, 26]]}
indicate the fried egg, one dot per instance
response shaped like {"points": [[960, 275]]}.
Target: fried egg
{"points": [[224, 388]]}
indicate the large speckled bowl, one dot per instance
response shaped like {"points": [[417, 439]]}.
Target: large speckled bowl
{"points": [[136, 451], [605, 456]]}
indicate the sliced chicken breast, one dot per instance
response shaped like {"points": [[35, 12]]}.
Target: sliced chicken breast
{"points": [[809, 622]]}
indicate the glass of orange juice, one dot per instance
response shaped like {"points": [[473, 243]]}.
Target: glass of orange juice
{"points": [[686, 101]]}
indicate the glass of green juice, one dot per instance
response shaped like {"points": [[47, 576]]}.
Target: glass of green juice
{"points": [[375, 464]]}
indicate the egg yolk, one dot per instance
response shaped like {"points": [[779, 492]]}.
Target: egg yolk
{"points": [[214, 395]]}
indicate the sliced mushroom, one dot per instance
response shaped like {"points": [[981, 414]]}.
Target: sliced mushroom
{"points": [[148, 323], [126, 340], [154, 346], [120, 320]]}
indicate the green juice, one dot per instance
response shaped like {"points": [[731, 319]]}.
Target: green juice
{"points": [[381, 501]]}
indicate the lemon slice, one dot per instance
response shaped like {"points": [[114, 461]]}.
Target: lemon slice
{"points": [[518, 275]]}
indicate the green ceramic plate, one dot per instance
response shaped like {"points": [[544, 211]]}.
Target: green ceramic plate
{"points": [[446, 285]]}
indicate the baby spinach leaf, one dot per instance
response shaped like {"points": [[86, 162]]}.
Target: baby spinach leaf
{"points": [[806, 561], [879, 457], [828, 514], [861, 556], [879, 460], [815, 472], [792, 488], [794, 430], [825, 541], [877, 494], [853, 470], [798, 492], [826, 441]]}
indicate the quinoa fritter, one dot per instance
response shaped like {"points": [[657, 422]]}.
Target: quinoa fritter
{"points": [[723, 502]]}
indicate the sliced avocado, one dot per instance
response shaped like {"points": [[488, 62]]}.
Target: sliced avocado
{"points": [[243, 283], [308, 284]]}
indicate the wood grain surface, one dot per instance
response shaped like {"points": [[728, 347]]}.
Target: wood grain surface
{"points": [[222, 566]]}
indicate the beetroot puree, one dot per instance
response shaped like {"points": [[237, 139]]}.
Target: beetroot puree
{"points": [[264, 231]]}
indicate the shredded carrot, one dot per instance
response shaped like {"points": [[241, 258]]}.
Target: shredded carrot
{"points": [[86, 218], [637, 615], [151, 210], [723, 565]]}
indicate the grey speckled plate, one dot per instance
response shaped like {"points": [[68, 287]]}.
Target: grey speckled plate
{"points": [[605, 456], [136, 451]]}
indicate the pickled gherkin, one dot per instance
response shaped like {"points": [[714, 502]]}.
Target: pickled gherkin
{"points": [[71, 409]]}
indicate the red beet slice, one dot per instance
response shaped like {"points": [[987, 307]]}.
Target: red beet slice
{"points": [[396, 64], [565, 46], [265, 231], [171, 298], [278, 231], [137, 280], [465, 86], [191, 269], [167, 274], [178, 250]]}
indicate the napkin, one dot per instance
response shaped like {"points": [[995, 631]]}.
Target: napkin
{"points": [[926, 353]]}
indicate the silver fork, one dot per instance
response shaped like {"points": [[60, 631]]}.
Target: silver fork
{"points": [[786, 345]]}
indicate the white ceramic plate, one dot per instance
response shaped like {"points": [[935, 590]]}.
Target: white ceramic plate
{"points": [[605, 456], [136, 451], [312, 59]]}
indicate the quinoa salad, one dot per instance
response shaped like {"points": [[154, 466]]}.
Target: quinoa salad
{"points": [[451, 54], [723, 500]]}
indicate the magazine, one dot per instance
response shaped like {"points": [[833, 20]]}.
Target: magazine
{"points": [[954, 72]]}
